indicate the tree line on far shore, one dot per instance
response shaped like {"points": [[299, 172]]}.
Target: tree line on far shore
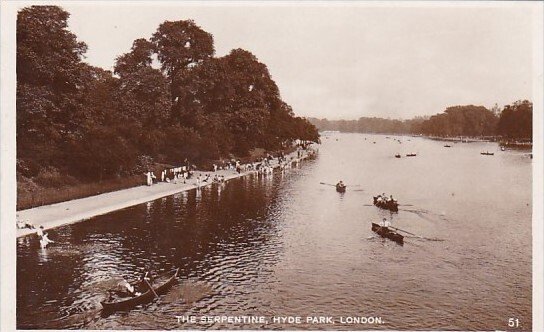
{"points": [[169, 99], [513, 122]]}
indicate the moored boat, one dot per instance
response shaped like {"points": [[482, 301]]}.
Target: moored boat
{"points": [[387, 233], [390, 205], [160, 286]]}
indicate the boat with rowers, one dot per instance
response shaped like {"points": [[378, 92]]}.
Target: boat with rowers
{"points": [[487, 153], [341, 187], [397, 155], [383, 202], [149, 290], [411, 155], [387, 233]]}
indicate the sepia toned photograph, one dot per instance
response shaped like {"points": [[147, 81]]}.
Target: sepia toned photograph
{"points": [[349, 166]]}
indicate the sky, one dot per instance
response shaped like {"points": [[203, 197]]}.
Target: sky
{"points": [[351, 59]]}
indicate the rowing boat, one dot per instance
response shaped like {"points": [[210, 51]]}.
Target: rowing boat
{"points": [[387, 233], [160, 286], [390, 205], [341, 188], [397, 155], [487, 153], [411, 155]]}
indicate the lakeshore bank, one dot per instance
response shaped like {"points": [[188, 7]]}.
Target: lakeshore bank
{"points": [[69, 212]]}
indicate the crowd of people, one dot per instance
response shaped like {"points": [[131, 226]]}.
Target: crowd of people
{"points": [[264, 165]]}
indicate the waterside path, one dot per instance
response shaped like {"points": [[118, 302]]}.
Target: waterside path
{"points": [[69, 212]]}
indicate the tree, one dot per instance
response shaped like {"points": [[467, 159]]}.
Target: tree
{"points": [[516, 120], [180, 45], [139, 57], [47, 53]]}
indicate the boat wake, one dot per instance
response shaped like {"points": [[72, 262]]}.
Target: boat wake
{"points": [[189, 291], [427, 215]]}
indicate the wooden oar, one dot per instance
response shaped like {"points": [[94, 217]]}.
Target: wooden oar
{"points": [[421, 237], [149, 285], [327, 184], [402, 230]]}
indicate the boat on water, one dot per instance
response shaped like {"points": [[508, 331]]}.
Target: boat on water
{"points": [[160, 285], [390, 205], [387, 233], [341, 188], [447, 146], [411, 155], [397, 155], [487, 153]]}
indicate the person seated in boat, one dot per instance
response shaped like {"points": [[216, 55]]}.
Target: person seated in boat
{"points": [[340, 184], [146, 277], [125, 289], [391, 198], [386, 223]]}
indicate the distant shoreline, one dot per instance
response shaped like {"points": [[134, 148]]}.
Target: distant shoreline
{"points": [[509, 143]]}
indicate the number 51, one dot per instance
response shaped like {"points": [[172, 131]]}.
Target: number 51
{"points": [[513, 322]]}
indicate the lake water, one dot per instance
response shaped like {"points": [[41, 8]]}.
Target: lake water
{"points": [[287, 245]]}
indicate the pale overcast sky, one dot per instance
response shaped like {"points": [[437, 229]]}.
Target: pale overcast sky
{"points": [[348, 60]]}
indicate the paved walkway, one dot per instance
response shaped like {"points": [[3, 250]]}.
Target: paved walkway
{"points": [[55, 215]]}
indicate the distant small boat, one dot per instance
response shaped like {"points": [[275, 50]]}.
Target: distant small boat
{"points": [[447, 146], [373, 142], [390, 205], [411, 155], [397, 155], [487, 153], [503, 148], [341, 188]]}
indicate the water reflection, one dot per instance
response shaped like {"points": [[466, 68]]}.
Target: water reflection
{"points": [[286, 245]]}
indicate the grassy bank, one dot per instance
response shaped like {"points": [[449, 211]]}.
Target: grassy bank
{"points": [[31, 194]]}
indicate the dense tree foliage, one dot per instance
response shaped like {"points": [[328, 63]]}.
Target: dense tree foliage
{"points": [[168, 99], [467, 120], [370, 125], [516, 121]]}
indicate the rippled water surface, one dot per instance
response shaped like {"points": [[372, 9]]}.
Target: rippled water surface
{"points": [[287, 245]]}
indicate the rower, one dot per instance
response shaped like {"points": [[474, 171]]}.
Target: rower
{"points": [[126, 289], [386, 223], [340, 184]]}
